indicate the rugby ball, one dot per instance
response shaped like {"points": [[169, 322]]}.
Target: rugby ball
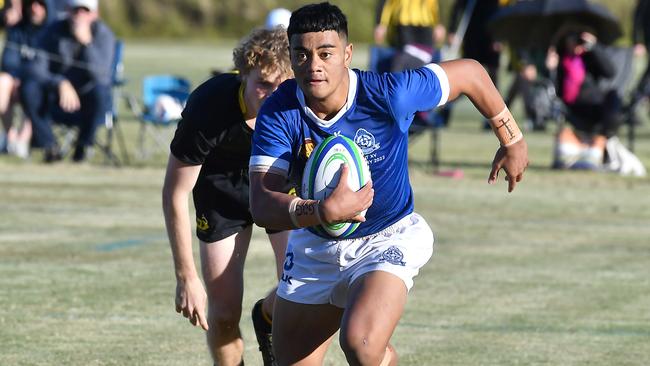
{"points": [[323, 171]]}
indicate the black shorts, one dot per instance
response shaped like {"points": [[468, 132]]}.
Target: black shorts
{"points": [[222, 205]]}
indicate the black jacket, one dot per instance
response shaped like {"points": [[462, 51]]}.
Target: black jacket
{"points": [[598, 66]]}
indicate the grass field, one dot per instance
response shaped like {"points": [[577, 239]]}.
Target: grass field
{"points": [[555, 273]]}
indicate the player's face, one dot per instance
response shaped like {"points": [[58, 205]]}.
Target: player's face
{"points": [[258, 86], [319, 61]]}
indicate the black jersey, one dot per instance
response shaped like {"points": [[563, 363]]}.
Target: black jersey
{"points": [[213, 130]]}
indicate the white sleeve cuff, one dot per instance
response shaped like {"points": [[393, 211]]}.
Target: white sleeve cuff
{"points": [[444, 82], [261, 163]]}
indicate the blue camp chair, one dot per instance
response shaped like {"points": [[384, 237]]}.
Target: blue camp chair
{"points": [[154, 124]]}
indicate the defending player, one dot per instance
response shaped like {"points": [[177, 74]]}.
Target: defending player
{"points": [[209, 157], [359, 284]]}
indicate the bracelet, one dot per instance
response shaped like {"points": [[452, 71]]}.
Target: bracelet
{"points": [[505, 127], [301, 211], [292, 211]]}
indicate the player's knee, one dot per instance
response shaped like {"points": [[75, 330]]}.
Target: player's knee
{"points": [[359, 349], [225, 319]]}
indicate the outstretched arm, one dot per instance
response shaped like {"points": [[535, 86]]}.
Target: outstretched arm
{"points": [[191, 298], [470, 78]]}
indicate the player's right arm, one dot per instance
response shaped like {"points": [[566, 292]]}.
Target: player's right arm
{"points": [[272, 208], [191, 298]]}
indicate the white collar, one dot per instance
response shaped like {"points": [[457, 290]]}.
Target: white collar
{"points": [[352, 93]]}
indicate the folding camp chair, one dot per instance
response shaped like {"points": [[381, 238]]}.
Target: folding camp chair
{"points": [[153, 122], [111, 121], [623, 57]]}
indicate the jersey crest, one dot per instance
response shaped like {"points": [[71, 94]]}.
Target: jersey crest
{"points": [[366, 141], [393, 255]]}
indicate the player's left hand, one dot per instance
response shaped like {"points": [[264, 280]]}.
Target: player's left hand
{"points": [[344, 204], [513, 160]]}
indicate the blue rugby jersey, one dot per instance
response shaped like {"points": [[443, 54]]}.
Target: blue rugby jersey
{"points": [[377, 116]]}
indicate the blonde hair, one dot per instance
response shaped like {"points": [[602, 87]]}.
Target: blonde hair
{"points": [[267, 49]]}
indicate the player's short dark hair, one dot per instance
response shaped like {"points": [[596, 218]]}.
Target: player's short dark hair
{"points": [[318, 18]]}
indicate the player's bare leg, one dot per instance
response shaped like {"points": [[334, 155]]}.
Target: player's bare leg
{"points": [[375, 304], [222, 264], [302, 333]]}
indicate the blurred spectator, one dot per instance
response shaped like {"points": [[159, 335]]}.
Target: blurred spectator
{"points": [[408, 26], [277, 17], [412, 29], [477, 41], [70, 79], [531, 75], [18, 51], [641, 40], [59, 9], [594, 112], [10, 12]]}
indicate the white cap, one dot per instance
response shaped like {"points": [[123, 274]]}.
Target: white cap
{"points": [[278, 16], [88, 4]]}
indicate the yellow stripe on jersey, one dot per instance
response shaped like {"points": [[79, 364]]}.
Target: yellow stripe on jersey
{"points": [[242, 103]]}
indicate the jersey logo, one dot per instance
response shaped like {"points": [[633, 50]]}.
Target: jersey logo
{"points": [[366, 141], [288, 264], [393, 256], [306, 148], [288, 261], [202, 223]]}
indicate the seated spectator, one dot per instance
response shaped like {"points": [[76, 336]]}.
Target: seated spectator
{"points": [[18, 51], [594, 111], [69, 80], [10, 13]]}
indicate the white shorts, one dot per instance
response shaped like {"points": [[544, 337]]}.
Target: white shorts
{"points": [[320, 271]]}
